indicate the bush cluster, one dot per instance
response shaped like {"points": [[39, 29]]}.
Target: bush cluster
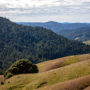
{"points": [[20, 67]]}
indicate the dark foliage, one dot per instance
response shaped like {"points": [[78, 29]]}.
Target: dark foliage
{"points": [[34, 43], [20, 67]]}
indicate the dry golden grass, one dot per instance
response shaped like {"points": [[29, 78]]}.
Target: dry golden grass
{"points": [[46, 79], [54, 74], [77, 84], [61, 62], [87, 42], [49, 65]]}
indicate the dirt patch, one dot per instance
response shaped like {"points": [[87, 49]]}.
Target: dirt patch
{"points": [[1, 79]]}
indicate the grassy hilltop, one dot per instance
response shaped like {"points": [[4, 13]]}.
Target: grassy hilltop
{"points": [[55, 75], [87, 42]]}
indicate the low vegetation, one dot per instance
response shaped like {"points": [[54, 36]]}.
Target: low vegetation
{"points": [[81, 83], [75, 69], [20, 67]]}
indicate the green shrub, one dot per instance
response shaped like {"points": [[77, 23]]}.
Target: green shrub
{"points": [[20, 67]]}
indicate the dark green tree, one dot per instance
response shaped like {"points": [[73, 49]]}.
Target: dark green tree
{"points": [[20, 67]]}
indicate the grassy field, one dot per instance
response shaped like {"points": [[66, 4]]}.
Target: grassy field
{"points": [[55, 74], [81, 83], [61, 62], [87, 42]]}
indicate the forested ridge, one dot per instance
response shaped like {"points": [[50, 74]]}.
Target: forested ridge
{"points": [[34, 43], [72, 31]]}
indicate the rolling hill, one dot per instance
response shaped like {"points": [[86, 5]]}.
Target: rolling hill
{"points": [[87, 42], [74, 74], [82, 83], [34, 43], [61, 62], [73, 31]]}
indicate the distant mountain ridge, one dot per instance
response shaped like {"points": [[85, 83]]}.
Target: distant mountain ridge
{"points": [[80, 34], [68, 30]]}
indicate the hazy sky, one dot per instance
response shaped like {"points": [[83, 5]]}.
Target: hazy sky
{"points": [[46, 10]]}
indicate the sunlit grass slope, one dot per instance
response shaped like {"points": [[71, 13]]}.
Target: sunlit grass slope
{"points": [[71, 68], [81, 83], [53, 64], [87, 42]]}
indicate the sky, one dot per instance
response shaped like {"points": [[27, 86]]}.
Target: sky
{"points": [[46, 10]]}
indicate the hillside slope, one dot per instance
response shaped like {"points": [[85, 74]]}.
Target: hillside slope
{"points": [[34, 43], [87, 42], [82, 83], [62, 77], [61, 62]]}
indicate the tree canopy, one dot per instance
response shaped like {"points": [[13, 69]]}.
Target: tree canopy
{"points": [[20, 67]]}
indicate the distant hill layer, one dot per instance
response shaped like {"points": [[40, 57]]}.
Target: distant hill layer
{"points": [[74, 31], [34, 43], [80, 34]]}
